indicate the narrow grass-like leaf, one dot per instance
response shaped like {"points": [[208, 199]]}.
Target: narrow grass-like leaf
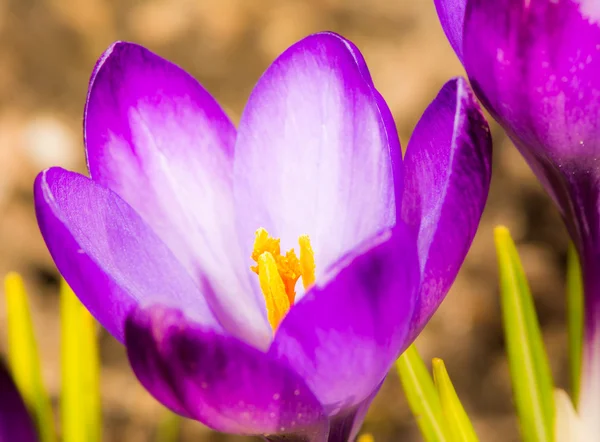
{"points": [[457, 422], [169, 427], [528, 362], [24, 359], [422, 395], [574, 319], [80, 401]]}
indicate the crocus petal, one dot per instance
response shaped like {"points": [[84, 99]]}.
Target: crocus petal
{"points": [[567, 425], [535, 67], [346, 427], [317, 152], [15, 422], [536, 70], [219, 380], [386, 115], [589, 398], [447, 178], [452, 18], [108, 255], [158, 139], [345, 333]]}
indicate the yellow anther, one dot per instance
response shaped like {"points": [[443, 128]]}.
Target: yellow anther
{"points": [[273, 289], [264, 243], [307, 262], [366, 437], [278, 274], [288, 266]]}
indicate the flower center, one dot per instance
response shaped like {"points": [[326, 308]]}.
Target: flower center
{"points": [[278, 274]]}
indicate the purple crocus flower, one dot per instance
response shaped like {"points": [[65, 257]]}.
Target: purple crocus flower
{"points": [[535, 65], [169, 243], [15, 422]]}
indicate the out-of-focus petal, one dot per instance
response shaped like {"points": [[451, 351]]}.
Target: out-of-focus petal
{"points": [[159, 140], [317, 152], [111, 259], [452, 18], [567, 426], [535, 65], [15, 422], [346, 332], [219, 380], [589, 400], [447, 178]]}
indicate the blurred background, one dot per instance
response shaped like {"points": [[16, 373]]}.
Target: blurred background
{"points": [[47, 51]]}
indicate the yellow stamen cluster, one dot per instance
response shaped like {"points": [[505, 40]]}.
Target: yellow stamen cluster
{"points": [[278, 274]]}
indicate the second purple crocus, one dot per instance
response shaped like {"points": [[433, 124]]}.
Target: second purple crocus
{"points": [[15, 422], [265, 279], [535, 65]]}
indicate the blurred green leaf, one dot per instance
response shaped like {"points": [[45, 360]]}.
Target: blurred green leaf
{"points": [[422, 396], [574, 318], [457, 422], [24, 359], [529, 368], [169, 427], [80, 401]]}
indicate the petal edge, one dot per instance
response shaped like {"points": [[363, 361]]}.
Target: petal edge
{"points": [[447, 178]]}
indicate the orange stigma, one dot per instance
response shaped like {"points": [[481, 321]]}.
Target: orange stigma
{"points": [[278, 274]]}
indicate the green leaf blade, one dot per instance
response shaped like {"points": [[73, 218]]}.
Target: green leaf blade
{"points": [[458, 423], [422, 396], [24, 359], [169, 427], [528, 362], [80, 364], [574, 319]]}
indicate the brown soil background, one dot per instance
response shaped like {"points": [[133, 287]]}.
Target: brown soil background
{"points": [[47, 51]]}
